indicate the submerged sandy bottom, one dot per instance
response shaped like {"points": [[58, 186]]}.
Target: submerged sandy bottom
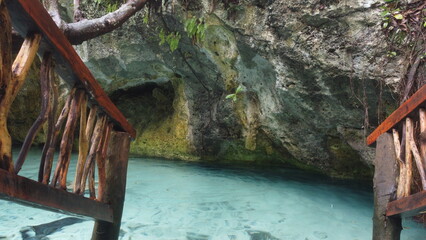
{"points": [[176, 200]]}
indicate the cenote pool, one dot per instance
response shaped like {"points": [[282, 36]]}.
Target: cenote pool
{"points": [[168, 200]]}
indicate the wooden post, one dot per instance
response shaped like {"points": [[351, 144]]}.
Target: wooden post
{"points": [[385, 175], [46, 87], [5, 78], [49, 151], [90, 160], [115, 189]]}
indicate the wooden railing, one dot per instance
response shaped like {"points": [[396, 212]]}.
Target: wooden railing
{"points": [[88, 115], [400, 166], [407, 124]]}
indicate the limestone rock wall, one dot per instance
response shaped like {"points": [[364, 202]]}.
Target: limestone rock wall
{"points": [[308, 70]]}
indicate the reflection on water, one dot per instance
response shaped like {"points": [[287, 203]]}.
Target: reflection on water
{"points": [[188, 201]]}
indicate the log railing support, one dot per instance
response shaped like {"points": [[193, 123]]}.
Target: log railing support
{"points": [[115, 188], [99, 145], [46, 86], [5, 77], [12, 77], [385, 175], [49, 150]]}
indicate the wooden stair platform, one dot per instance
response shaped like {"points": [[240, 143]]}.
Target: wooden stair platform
{"points": [[408, 206], [34, 194]]}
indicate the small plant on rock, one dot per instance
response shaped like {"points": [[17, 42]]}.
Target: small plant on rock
{"points": [[233, 96]]}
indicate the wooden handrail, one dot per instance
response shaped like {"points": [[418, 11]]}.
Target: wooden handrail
{"points": [[35, 194], [399, 114], [71, 67], [408, 206]]}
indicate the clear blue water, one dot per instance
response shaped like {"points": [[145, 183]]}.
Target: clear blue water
{"points": [[188, 201]]}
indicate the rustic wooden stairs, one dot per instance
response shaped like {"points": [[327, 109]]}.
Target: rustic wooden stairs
{"points": [[103, 133]]}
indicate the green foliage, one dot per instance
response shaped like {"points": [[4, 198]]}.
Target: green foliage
{"points": [[392, 54], [389, 14], [404, 25], [233, 96], [146, 18], [196, 28], [110, 5], [172, 39]]}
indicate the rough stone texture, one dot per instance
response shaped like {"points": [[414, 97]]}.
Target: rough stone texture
{"points": [[303, 67]]}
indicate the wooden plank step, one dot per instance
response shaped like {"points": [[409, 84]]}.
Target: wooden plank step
{"points": [[409, 206], [34, 194]]}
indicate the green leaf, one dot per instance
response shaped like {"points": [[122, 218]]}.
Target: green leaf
{"points": [[191, 26], [146, 18], [162, 37], [112, 7], [424, 24], [239, 88], [385, 24], [233, 95], [389, 1], [384, 13], [398, 16], [173, 41], [195, 28], [392, 54]]}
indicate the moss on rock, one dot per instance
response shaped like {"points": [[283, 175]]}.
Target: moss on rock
{"points": [[160, 115], [345, 161]]}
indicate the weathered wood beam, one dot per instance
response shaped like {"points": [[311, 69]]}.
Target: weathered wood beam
{"points": [[101, 159], [399, 114], [31, 193], [45, 85], [88, 134], [68, 138], [48, 160], [91, 176], [23, 61], [11, 86], [408, 206], [422, 137], [50, 136], [415, 151], [402, 172], [6, 161], [115, 188], [83, 144], [408, 159], [61, 170], [385, 174], [96, 137]]}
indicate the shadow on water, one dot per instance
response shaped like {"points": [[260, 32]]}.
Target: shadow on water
{"points": [[40, 232]]}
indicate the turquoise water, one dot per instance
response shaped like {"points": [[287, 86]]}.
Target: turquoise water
{"points": [[189, 201]]}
